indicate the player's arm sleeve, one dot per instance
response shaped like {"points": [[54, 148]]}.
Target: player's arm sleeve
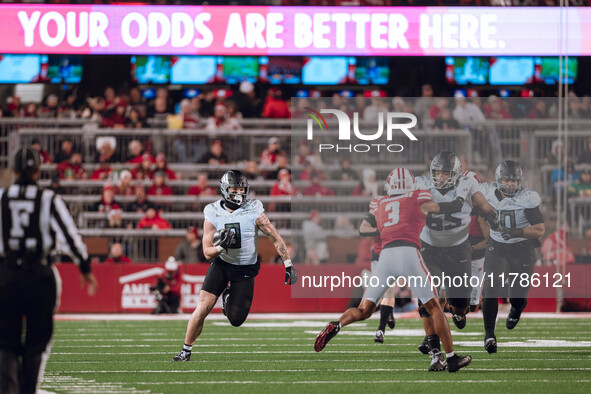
{"points": [[208, 213], [63, 224], [258, 208], [534, 215]]}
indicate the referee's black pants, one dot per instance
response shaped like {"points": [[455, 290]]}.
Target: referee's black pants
{"points": [[27, 298]]}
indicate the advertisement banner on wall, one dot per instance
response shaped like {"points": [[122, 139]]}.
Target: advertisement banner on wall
{"points": [[270, 30]]}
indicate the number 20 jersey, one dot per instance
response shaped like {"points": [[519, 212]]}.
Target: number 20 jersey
{"points": [[243, 222], [444, 230], [511, 210], [399, 217]]}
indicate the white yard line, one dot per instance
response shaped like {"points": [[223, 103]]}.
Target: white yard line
{"points": [[285, 316]]}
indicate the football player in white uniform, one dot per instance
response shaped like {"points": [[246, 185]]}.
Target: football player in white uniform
{"points": [[444, 239], [510, 251], [230, 243]]}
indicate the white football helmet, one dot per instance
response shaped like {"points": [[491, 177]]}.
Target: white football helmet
{"points": [[400, 181]]}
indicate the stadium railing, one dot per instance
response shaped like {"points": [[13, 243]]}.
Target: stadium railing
{"points": [[11, 127]]}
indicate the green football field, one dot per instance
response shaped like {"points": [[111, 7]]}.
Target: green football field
{"points": [[540, 355]]}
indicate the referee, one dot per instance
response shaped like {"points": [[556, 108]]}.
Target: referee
{"points": [[32, 222]]}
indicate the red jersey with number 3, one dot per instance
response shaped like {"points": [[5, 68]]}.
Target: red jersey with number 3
{"points": [[399, 217]]}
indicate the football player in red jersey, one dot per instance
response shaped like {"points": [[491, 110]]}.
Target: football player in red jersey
{"points": [[399, 217]]}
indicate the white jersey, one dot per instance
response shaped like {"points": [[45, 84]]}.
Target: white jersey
{"points": [[511, 209], [243, 221], [444, 230]]}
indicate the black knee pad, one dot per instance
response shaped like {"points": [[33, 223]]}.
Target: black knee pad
{"points": [[237, 315]]}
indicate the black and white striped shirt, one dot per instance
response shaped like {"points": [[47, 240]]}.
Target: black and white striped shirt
{"points": [[35, 222]]}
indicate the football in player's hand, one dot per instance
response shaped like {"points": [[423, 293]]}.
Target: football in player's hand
{"points": [[223, 238], [291, 276]]}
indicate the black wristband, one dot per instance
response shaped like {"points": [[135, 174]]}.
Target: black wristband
{"points": [[85, 267]]}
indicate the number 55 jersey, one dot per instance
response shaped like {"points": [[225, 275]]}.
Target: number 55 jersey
{"points": [[445, 230]]}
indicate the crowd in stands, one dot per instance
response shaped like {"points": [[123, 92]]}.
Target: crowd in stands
{"points": [[224, 108]]}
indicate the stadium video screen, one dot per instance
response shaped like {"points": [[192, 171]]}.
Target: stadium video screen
{"points": [[511, 70], [283, 69], [63, 69], [151, 69], [467, 70], [324, 70], [372, 71], [551, 68], [19, 68], [241, 68], [192, 69]]}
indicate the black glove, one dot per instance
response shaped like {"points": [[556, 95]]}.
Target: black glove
{"points": [[492, 220], [224, 238], [291, 276], [508, 233]]}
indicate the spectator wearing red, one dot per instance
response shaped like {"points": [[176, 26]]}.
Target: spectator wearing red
{"points": [[275, 107], [221, 119], [145, 171], [494, 109], [162, 165], [283, 185], [539, 111], [316, 189], [269, 155], [43, 155], [107, 202], [116, 255], [153, 220], [305, 155], [201, 188], [72, 169], [555, 247], [115, 117], [215, 155], [109, 95], [159, 188], [103, 172], [30, 111], [14, 106], [308, 171], [136, 153]]}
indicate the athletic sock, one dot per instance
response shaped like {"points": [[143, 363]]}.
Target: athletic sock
{"points": [[490, 308], [385, 312], [434, 341], [187, 348], [449, 355]]}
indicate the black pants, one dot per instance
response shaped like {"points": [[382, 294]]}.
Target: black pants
{"points": [[451, 262], [241, 279], [29, 292], [503, 265]]}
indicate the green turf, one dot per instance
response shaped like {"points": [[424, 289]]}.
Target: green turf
{"points": [[122, 356]]}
